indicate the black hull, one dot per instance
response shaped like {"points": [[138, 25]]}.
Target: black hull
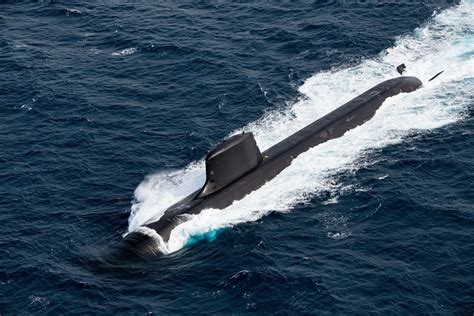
{"points": [[275, 159]]}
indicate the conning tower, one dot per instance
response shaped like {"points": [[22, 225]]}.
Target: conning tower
{"points": [[230, 160]]}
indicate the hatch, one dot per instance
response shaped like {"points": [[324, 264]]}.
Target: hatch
{"points": [[229, 161]]}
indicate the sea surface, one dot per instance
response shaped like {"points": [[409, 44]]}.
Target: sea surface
{"points": [[108, 108]]}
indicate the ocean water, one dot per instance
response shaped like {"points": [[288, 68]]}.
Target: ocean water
{"points": [[109, 108]]}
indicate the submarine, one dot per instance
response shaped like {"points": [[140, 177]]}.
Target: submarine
{"points": [[236, 166]]}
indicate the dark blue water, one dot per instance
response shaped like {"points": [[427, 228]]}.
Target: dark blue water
{"points": [[94, 97]]}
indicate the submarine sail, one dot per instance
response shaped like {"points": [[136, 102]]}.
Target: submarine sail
{"points": [[229, 161]]}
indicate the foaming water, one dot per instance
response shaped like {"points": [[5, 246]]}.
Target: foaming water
{"points": [[445, 43], [125, 52]]}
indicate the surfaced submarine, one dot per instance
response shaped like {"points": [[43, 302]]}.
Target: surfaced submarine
{"points": [[236, 167]]}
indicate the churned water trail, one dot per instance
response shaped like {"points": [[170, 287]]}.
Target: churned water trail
{"points": [[444, 43]]}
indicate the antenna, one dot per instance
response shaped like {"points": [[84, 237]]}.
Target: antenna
{"points": [[439, 73], [401, 69]]}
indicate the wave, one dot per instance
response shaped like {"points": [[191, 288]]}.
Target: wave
{"points": [[72, 11], [445, 43], [126, 52]]}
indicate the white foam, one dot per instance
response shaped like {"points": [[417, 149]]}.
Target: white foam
{"points": [[126, 52], [445, 43], [72, 11]]}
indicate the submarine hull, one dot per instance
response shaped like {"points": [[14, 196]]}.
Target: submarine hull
{"points": [[333, 125]]}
